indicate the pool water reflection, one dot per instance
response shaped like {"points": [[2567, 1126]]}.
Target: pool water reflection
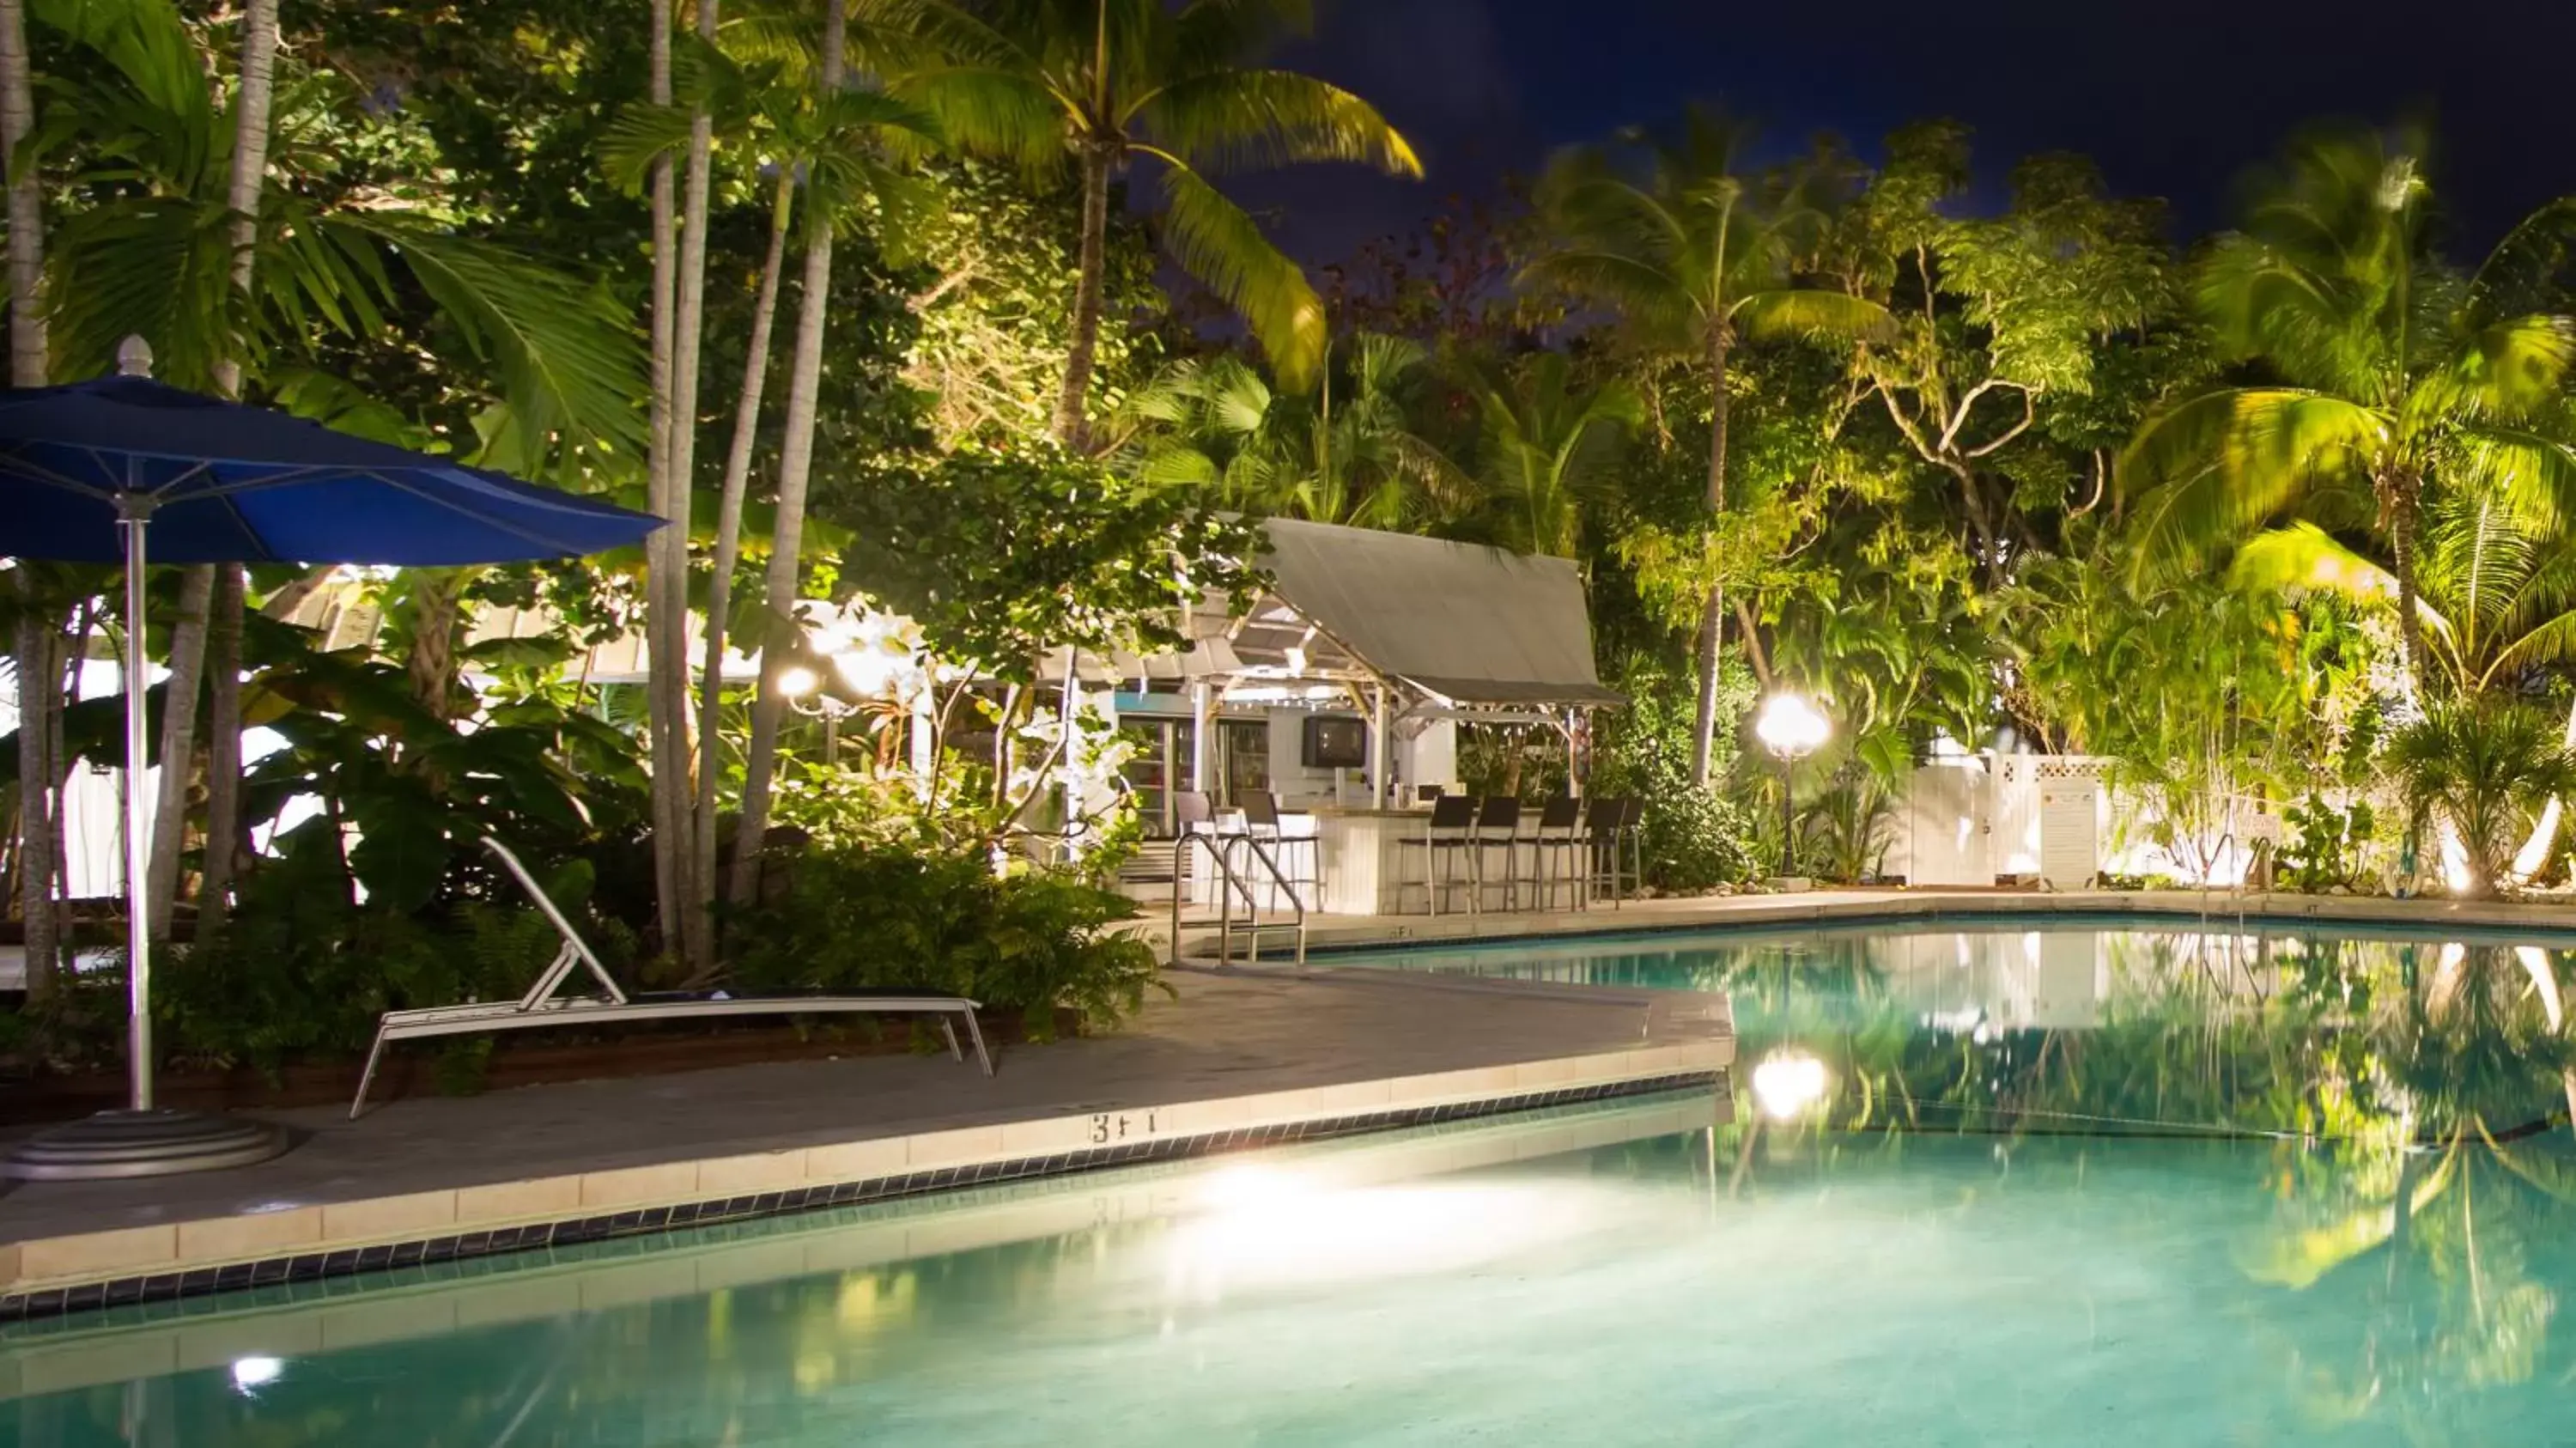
{"points": [[2174, 1206]]}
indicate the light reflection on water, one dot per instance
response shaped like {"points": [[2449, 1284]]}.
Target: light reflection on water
{"points": [[2018, 1222]]}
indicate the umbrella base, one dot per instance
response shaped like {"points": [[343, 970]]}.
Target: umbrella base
{"points": [[140, 1144]]}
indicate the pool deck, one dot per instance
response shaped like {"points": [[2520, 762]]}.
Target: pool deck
{"points": [[1236, 1060], [1327, 933]]}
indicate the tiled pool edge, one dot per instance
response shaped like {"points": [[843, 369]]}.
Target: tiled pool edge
{"points": [[1352, 935], [1271, 1119]]}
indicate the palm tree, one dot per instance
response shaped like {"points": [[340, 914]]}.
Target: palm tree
{"points": [[1696, 259], [1344, 453], [2395, 376], [2498, 599], [187, 240], [36, 637], [1100, 84], [1546, 448]]}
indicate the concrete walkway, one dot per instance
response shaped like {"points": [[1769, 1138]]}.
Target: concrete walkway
{"points": [[1231, 1053]]}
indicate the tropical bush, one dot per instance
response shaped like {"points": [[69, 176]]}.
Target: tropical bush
{"points": [[2486, 770], [868, 917]]}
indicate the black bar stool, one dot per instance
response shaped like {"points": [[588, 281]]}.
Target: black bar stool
{"points": [[1498, 822], [1294, 854], [1556, 853], [1450, 833], [1614, 834]]}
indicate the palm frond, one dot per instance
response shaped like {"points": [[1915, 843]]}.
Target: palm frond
{"points": [[1643, 295], [2531, 473], [1229, 120], [2227, 462], [2527, 271], [1003, 114], [2304, 558], [2504, 371], [147, 42], [1813, 313], [638, 136], [567, 355], [1219, 243]]}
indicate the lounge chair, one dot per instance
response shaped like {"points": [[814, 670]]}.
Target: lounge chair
{"points": [[542, 1006]]}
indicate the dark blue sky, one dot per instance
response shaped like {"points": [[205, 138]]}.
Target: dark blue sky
{"points": [[2173, 99]]}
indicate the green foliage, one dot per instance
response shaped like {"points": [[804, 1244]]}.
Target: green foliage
{"points": [[867, 916], [1347, 453], [1694, 838], [1001, 555], [1846, 829], [2485, 769], [2326, 844]]}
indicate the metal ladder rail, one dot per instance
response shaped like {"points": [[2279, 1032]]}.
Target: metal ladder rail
{"points": [[1232, 882]]}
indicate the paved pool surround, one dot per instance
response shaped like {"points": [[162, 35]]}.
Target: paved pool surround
{"points": [[1235, 1062]]}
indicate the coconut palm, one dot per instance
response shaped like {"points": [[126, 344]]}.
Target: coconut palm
{"points": [[1696, 258], [1345, 452], [215, 232], [1099, 85], [2395, 377], [2497, 600], [1546, 448]]}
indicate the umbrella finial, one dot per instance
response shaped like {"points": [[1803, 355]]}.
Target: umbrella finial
{"points": [[133, 358]]}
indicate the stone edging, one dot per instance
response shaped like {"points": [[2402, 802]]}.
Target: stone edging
{"points": [[312, 1266]]}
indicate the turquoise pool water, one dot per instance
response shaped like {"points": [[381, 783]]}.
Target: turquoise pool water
{"points": [[2221, 1259]]}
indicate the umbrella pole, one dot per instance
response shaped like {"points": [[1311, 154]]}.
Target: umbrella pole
{"points": [[138, 817]]}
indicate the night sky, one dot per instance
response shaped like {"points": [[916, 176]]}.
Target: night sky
{"points": [[2172, 99]]}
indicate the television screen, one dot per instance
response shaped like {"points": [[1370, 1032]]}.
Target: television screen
{"points": [[1336, 744]]}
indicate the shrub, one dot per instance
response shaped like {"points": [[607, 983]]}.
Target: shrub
{"points": [[2486, 770], [875, 916]]}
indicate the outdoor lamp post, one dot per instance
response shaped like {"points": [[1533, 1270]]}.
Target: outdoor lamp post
{"points": [[1791, 728]]}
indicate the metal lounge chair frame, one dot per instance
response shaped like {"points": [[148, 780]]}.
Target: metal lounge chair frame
{"points": [[542, 1006]]}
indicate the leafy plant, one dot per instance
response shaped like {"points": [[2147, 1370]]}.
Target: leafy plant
{"points": [[862, 916], [2326, 845], [2484, 769], [1847, 828]]}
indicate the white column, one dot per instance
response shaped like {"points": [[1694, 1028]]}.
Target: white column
{"points": [[1379, 753]]}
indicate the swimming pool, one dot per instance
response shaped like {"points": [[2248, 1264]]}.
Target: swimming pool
{"points": [[2219, 1259]]}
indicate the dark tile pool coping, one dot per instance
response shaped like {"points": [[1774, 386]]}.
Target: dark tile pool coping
{"points": [[21, 1308]]}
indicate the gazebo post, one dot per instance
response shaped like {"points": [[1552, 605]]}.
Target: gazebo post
{"points": [[1378, 753], [1202, 745]]}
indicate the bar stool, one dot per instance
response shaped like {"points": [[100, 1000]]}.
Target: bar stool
{"points": [[1556, 853], [1613, 832], [1294, 854], [1498, 822], [1450, 832]]}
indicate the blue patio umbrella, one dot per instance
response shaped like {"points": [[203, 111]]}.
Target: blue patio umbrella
{"points": [[116, 468]]}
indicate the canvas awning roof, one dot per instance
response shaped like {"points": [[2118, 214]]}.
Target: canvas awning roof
{"points": [[1470, 624]]}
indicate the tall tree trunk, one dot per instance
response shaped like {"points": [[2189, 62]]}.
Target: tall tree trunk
{"points": [[670, 675], [787, 531], [39, 703], [1712, 623], [666, 551], [178, 743], [1071, 427], [737, 482], [251, 106], [27, 362], [224, 842], [2403, 492]]}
